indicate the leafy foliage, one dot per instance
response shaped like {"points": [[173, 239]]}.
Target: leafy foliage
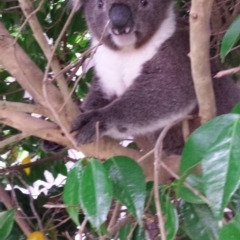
{"points": [[112, 198], [6, 223], [231, 37]]}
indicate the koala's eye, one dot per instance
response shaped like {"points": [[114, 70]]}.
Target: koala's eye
{"points": [[100, 3], [144, 2]]}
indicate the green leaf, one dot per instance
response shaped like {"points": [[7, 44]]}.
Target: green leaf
{"points": [[198, 222], [170, 215], [139, 234], [128, 184], [236, 109], [235, 202], [124, 232], [71, 192], [230, 38], [231, 231], [185, 193], [6, 223], [216, 145], [95, 193]]}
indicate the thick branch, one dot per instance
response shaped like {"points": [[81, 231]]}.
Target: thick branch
{"points": [[21, 67], [28, 10], [200, 57], [33, 126], [23, 107], [46, 130], [6, 200]]}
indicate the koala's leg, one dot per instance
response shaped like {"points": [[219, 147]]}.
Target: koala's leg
{"points": [[145, 107]]}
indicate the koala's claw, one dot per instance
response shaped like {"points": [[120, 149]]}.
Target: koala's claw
{"points": [[85, 125]]}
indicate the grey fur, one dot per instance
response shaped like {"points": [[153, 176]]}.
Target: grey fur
{"points": [[164, 87]]}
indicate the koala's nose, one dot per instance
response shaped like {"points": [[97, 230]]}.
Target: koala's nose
{"points": [[121, 19]]}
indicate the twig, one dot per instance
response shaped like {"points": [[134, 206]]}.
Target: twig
{"points": [[227, 72], [145, 156], [6, 200], [15, 138], [31, 203], [158, 160], [82, 228], [115, 215], [185, 129], [200, 14], [128, 219], [32, 164], [11, 92], [26, 20], [194, 190], [59, 224], [16, 203], [97, 139], [129, 237], [91, 51]]}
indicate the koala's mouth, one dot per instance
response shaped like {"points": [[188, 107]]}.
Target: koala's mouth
{"points": [[124, 39], [117, 32]]}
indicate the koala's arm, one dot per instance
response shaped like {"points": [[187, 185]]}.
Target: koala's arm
{"points": [[95, 98], [148, 105]]}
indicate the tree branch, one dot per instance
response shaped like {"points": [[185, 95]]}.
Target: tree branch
{"points": [[47, 130], [33, 126], [25, 71], [227, 72], [200, 57], [23, 107], [6, 200], [28, 11]]}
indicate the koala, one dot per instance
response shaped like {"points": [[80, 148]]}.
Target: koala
{"points": [[142, 76]]}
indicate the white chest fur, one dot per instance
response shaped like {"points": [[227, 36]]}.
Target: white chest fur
{"points": [[117, 70]]}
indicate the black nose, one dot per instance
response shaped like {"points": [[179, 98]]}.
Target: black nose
{"points": [[121, 19]]}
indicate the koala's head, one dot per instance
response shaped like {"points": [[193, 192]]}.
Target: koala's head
{"points": [[121, 23]]}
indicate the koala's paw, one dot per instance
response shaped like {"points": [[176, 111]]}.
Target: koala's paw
{"points": [[85, 125]]}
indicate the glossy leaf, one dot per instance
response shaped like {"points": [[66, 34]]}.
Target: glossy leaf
{"points": [[186, 194], [230, 38], [236, 109], [231, 231], [216, 145], [198, 222], [129, 184], [235, 202], [124, 232], [139, 234], [170, 215], [95, 193], [6, 223], [71, 192]]}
